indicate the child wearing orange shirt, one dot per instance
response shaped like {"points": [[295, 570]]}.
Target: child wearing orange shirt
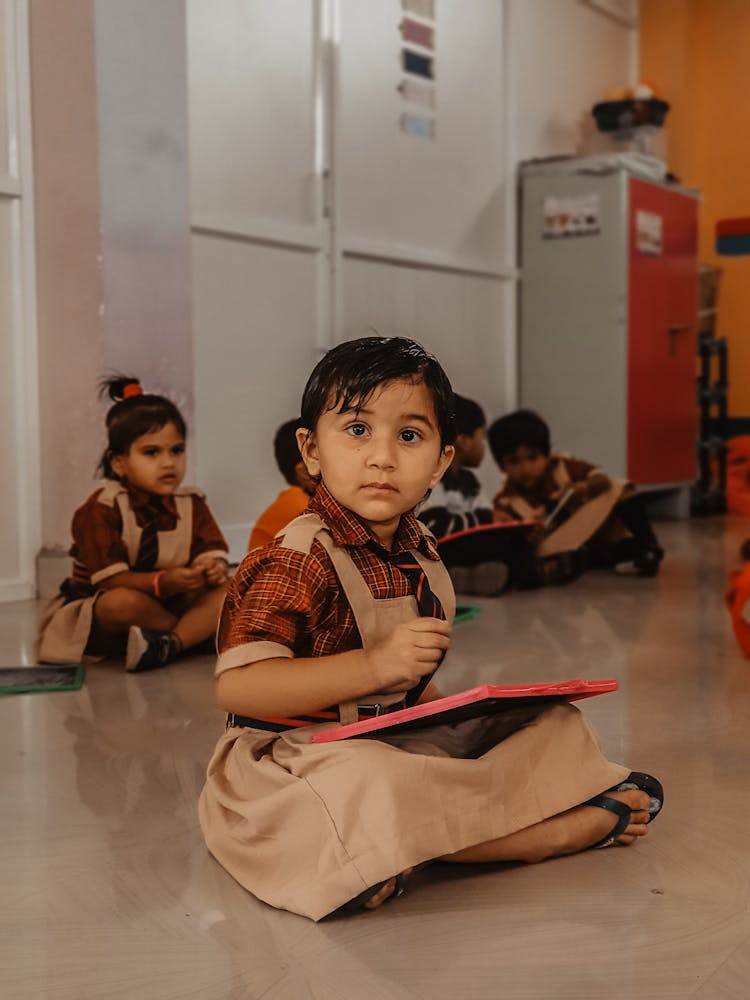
{"points": [[291, 501]]}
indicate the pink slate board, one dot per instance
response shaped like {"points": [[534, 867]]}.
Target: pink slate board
{"points": [[486, 699]]}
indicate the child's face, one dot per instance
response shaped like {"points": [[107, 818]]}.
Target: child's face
{"points": [[155, 462], [379, 461], [470, 448], [525, 467]]}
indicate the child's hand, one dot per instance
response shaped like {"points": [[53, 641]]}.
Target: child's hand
{"points": [[502, 516], [413, 649], [535, 533], [214, 569], [181, 580]]}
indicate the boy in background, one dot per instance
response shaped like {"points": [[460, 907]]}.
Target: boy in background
{"points": [[457, 502], [291, 501], [617, 534]]}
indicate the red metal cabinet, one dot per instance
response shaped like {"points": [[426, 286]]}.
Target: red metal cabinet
{"points": [[608, 319]]}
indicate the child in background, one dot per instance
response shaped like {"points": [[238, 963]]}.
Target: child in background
{"points": [[538, 479], [738, 599], [292, 501], [347, 615], [150, 563], [457, 502]]}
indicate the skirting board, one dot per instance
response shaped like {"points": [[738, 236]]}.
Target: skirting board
{"points": [[16, 590]]}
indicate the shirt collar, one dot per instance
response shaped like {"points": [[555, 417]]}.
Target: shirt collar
{"points": [[347, 529], [141, 498]]}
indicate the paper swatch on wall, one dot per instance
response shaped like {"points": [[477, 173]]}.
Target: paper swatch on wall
{"points": [[575, 215], [418, 33], [417, 92], [648, 232], [420, 65], [418, 125], [422, 8]]}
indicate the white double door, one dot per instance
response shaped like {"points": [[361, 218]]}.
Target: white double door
{"points": [[316, 217]]}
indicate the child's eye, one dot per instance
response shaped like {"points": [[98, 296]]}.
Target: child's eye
{"points": [[150, 452], [356, 430], [410, 435], [179, 449]]}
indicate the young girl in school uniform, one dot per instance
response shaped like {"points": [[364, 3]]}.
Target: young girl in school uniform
{"points": [[322, 626], [149, 560]]}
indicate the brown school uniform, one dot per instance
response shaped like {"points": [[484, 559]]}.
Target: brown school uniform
{"points": [[106, 533], [306, 827], [586, 521]]}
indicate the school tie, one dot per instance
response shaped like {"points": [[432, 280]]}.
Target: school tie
{"points": [[148, 548], [428, 604]]}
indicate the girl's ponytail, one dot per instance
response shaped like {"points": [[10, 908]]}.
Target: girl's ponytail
{"points": [[120, 387]]}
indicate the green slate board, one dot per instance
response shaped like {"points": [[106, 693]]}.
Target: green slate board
{"points": [[465, 613], [49, 677]]}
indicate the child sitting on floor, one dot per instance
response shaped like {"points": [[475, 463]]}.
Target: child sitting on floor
{"points": [[738, 599], [149, 561], [291, 501], [457, 502], [347, 615], [611, 525]]}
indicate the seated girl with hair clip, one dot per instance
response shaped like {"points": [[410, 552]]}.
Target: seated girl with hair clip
{"points": [[149, 561]]}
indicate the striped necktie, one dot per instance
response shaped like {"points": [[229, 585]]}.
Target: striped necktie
{"points": [[428, 603], [148, 548]]}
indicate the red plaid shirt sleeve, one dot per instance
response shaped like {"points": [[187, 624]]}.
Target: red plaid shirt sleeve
{"points": [[277, 595]]}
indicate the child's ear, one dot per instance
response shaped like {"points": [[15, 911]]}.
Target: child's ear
{"points": [[446, 457], [117, 464], [308, 449]]}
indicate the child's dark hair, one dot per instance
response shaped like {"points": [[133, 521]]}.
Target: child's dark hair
{"points": [[469, 416], [523, 428], [134, 414], [350, 372], [286, 450]]}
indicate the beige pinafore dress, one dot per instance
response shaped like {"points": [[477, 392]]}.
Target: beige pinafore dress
{"points": [[65, 626], [306, 827]]}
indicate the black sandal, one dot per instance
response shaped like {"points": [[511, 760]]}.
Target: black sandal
{"points": [[636, 779], [358, 903]]}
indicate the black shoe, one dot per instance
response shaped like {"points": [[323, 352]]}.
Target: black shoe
{"points": [[147, 650], [647, 562]]}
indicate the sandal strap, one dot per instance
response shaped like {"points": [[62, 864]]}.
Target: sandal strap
{"points": [[613, 806]]}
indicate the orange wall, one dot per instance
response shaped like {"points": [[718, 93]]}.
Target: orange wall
{"points": [[696, 51]]}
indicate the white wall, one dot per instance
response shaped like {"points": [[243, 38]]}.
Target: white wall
{"points": [[143, 178], [565, 55], [271, 282]]}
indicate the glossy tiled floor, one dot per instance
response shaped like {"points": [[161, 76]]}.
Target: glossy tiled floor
{"points": [[108, 892]]}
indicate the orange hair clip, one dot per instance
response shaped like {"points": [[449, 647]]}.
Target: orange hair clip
{"points": [[132, 389]]}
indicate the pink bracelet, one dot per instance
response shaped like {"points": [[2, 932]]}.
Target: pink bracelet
{"points": [[157, 577]]}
